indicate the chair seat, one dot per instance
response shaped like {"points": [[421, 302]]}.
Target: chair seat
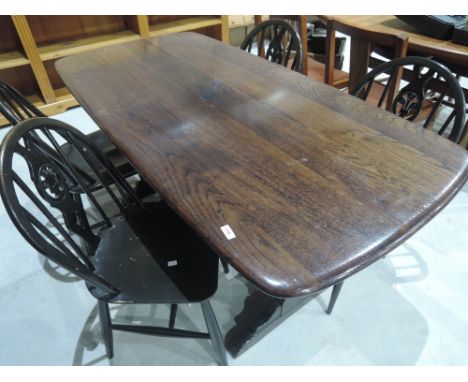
{"points": [[119, 161], [154, 257], [316, 71]]}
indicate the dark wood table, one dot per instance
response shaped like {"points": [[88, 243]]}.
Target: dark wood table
{"points": [[315, 184]]}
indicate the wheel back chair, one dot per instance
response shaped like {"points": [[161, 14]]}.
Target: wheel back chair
{"points": [[425, 92], [299, 23], [143, 253], [406, 88], [277, 41]]}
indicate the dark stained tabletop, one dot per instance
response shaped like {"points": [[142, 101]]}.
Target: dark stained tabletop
{"points": [[314, 183]]}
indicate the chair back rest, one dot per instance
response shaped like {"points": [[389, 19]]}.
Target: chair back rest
{"points": [[299, 23], [14, 106], [277, 41], [41, 199], [362, 45], [428, 94]]}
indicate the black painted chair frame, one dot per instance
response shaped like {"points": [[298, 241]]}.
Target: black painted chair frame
{"points": [[408, 101], [276, 51]]}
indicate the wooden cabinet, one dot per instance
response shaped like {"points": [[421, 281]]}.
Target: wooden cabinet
{"points": [[30, 45], [235, 21]]}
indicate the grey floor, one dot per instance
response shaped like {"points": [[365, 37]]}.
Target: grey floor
{"points": [[410, 308]]}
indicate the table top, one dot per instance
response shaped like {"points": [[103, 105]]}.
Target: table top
{"points": [[314, 183], [446, 51]]}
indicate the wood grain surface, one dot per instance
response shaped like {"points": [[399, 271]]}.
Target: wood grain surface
{"points": [[315, 184]]}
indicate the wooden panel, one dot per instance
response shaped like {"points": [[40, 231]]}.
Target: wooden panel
{"points": [[54, 77], [30, 48], [183, 25], [21, 78], [249, 19], [12, 59], [317, 71], [213, 31], [53, 29], [161, 19], [235, 21], [315, 184], [9, 40], [62, 49]]}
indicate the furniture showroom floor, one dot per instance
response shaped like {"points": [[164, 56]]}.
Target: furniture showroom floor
{"points": [[409, 308]]}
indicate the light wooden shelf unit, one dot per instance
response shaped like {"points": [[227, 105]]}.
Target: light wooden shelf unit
{"points": [[42, 46], [62, 49], [12, 60], [184, 25], [11, 54]]}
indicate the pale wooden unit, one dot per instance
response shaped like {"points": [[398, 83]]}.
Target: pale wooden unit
{"points": [[29, 46], [12, 59], [235, 21], [238, 26], [30, 49], [63, 49], [184, 25]]}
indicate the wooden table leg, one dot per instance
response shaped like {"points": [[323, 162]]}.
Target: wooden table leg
{"points": [[464, 139], [359, 60], [260, 315], [302, 26]]}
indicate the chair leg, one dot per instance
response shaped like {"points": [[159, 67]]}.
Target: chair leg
{"points": [[106, 329], [215, 333], [172, 316], [334, 296], [224, 264]]}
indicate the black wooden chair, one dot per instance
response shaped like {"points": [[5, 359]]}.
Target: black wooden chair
{"points": [[142, 254], [406, 88], [420, 90], [16, 108], [279, 39]]}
